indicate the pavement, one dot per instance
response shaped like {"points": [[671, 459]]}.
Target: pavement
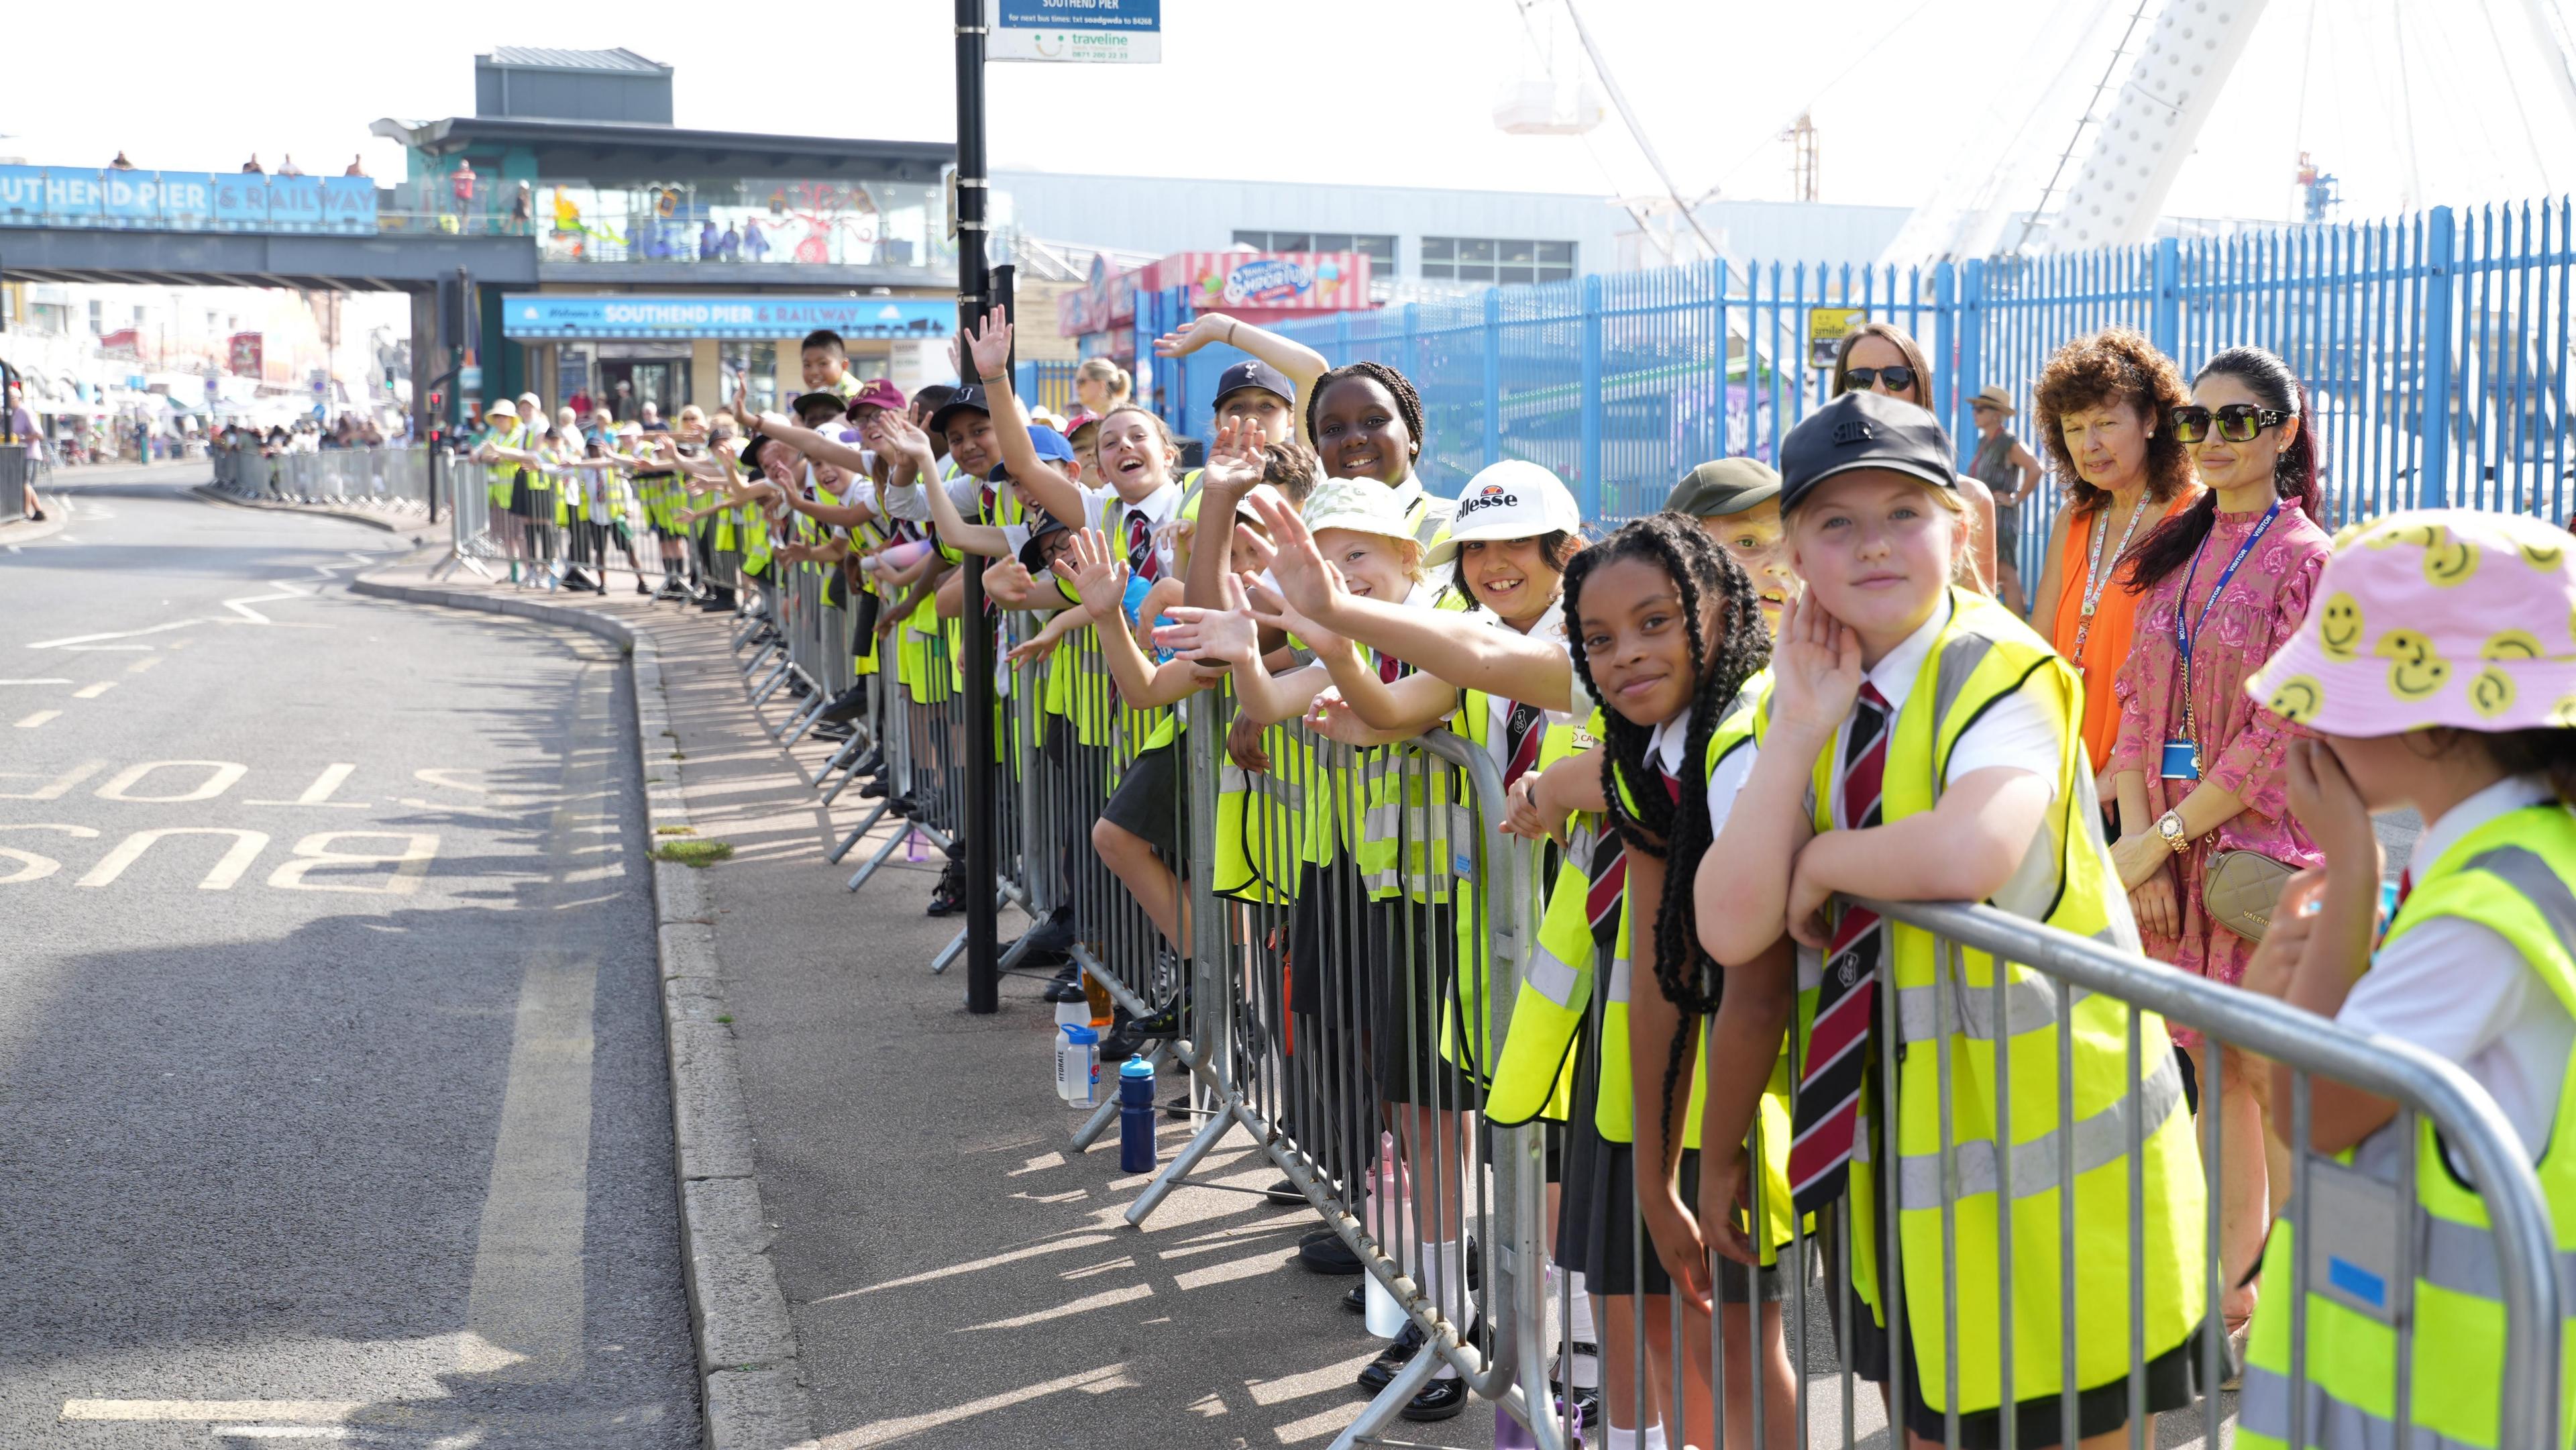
{"points": [[335, 1085]]}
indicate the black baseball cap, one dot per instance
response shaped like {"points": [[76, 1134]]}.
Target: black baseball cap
{"points": [[1863, 430], [1253, 373], [1040, 524], [751, 447], [817, 408], [968, 399]]}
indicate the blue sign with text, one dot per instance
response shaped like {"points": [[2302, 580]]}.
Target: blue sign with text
{"points": [[535, 317], [185, 201]]}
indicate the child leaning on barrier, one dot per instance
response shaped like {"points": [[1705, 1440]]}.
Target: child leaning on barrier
{"points": [[2439, 673], [1919, 743]]}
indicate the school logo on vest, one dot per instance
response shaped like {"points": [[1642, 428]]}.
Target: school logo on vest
{"points": [[1491, 496]]}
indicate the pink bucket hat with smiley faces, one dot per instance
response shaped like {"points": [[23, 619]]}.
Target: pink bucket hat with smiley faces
{"points": [[2446, 617]]}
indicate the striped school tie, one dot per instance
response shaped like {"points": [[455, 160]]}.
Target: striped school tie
{"points": [[1521, 738], [1140, 549], [1826, 1115]]}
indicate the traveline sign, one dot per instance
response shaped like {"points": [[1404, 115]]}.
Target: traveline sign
{"points": [[185, 201], [1076, 30], [535, 317]]}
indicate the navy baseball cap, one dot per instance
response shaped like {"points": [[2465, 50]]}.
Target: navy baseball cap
{"points": [[1863, 430], [815, 409], [1040, 523], [968, 399], [1254, 373]]}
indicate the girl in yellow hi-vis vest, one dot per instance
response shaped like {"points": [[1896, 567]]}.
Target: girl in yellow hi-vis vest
{"points": [[2435, 667], [1919, 743]]}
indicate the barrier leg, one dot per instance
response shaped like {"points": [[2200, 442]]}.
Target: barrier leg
{"points": [[842, 760], [805, 721], [1217, 1126], [1390, 1402], [777, 677], [949, 953], [883, 853]]}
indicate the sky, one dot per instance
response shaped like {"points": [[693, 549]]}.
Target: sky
{"points": [[2408, 102]]}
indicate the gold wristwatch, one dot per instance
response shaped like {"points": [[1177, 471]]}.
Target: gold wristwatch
{"points": [[2169, 827]]}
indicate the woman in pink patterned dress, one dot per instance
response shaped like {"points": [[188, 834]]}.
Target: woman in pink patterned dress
{"points": [[2197, 767]]}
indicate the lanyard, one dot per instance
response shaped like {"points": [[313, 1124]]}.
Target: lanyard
{"points": [[2096, 575], [2185, 641]]}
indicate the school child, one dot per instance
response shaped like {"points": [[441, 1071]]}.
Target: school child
{"points": [[1737, 500], [1919, 742], [504, 452], [2435, 674], [824, 363]]}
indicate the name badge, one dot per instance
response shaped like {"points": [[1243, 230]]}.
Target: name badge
{"points": [[2181, 760]]}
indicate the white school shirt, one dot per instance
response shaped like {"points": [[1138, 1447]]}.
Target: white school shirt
{"points": [[2014, 733], [2456, 988]]}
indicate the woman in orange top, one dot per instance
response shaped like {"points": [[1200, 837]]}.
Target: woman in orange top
{"points": [[2103, 401]]}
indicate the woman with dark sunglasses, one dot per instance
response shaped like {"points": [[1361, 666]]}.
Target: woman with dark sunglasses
{"points": [[1877, 357], [2198, 766]]}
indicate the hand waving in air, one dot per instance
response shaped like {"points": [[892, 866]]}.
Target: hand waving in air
{"points": [[1098, 572], [1194, 334], [989, 349]]}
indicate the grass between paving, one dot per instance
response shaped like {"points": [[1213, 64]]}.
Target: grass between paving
{"points": [[686, 852]]}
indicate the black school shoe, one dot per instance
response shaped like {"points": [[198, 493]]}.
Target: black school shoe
{"points": [[1133, 1037], [1440, 1400], [1380, 1372], [1323, 1252]]}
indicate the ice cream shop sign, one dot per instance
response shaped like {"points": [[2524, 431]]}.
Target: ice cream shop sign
{"points": [[1257, 286]]}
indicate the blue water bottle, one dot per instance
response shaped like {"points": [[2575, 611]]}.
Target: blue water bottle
{"points": [[1136, 1116]]}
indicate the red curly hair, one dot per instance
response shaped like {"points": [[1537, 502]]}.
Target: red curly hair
{"points": [[2119, 365]]}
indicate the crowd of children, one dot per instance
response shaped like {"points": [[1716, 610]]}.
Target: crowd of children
{"points": [[1729, 723]]}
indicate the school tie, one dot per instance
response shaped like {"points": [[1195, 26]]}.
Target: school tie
{"points": [[1610, 876], [1826, 1115], [1389, 668], [1521, 737], [1140, 548]]}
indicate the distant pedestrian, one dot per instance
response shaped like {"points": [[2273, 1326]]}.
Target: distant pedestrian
{"points": [[707, 240], [252, 166], [522, 206], [287, 167], [120, 163], [357, 167]]}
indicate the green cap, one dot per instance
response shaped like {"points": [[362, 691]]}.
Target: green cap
{"points": [[1727, 486]]}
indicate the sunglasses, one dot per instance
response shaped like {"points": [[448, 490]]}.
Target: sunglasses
{"points": [[2237, 422], [1898, 377]]}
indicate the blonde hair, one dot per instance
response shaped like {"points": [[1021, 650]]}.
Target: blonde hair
{"points": [[1102, 370], [1412, 549]]}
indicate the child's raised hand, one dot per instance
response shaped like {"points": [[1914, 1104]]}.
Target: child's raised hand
{"points": [[1227, 634], [1817, 667], [1098, 572], [1194, 334], [1271, 611], [1525, 817], [1332, 717], [1235, 460], [2330, 806], [895, 433], [990, 348], [1035, 648], [1305, 579]]}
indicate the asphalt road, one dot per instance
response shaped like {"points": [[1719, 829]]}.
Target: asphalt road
{"points": [[332, 1097]]}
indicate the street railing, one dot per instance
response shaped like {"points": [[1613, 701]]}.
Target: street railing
{"points": [[13, 481], [387, 479]]}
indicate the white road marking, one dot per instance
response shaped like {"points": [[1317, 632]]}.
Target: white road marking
{"points": [[69, 641], [53, 788], [92, 692], [237, 857], [288, 1412], [34, 682], [39, 718], [145, 663], [221, 776], [35, 867], [886, 1432], [410, 864], [320, 791]]}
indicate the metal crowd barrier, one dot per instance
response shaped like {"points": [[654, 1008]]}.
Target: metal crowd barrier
{"points": [[1358, 929], [13, 481], [377, 478]]}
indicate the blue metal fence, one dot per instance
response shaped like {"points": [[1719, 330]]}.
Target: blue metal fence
{"points": [[2436, 348]]}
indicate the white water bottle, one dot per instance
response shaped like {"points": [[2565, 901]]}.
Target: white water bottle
{"points": [[1077, 1066], [1076, 1013]]}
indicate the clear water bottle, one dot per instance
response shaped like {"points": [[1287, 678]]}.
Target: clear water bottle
{"points": [[1077, 1066], [1076, 1013], [1136, 1115]]}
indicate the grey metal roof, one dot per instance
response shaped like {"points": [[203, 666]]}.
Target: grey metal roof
{"points": [[546, 58]]}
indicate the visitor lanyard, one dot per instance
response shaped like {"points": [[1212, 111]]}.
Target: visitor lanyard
{"points": [[2185, 640], [2096, 575]]}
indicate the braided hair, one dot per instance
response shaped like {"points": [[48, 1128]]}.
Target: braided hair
{"points": [[1408, 403], [1646, 819]]}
